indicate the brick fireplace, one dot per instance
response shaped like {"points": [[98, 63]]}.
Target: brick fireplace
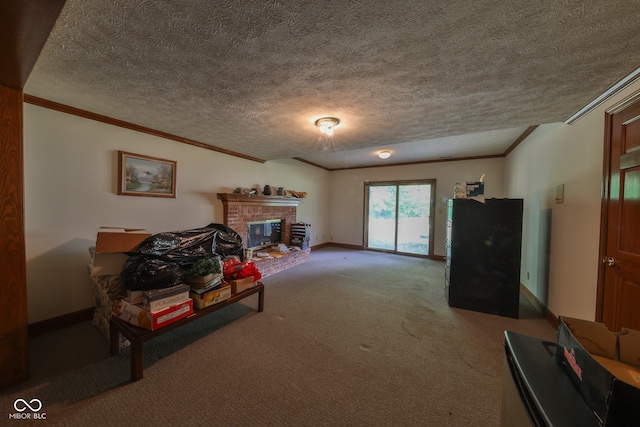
{"points": [[240, 209]]}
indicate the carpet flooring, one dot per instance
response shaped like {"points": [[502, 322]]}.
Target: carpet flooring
{"points": [[349, 338]]}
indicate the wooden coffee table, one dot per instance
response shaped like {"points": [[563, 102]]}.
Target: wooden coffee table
{"points": [[137, 336]]}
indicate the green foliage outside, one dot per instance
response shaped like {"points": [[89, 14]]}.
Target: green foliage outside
{"points": [[414, 201]]}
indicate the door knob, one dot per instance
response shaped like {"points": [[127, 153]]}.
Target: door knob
{"points": [[609, 261]]}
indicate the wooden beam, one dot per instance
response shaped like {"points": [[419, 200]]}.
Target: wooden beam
{"points": [[14, 356], [24, 29]]}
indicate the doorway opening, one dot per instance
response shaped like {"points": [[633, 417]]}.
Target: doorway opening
{"points": [[399, 216]]}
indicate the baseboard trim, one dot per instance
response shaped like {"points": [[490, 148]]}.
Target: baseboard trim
{"points": [[552, 318], [342, 245], [361, 248], [55, 323], [538, 305], [320, 246]]}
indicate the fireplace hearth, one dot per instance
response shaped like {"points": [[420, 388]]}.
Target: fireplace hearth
{"points": [[241, 210]]}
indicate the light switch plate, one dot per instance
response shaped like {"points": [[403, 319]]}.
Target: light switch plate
{"points": [[560, 193]]}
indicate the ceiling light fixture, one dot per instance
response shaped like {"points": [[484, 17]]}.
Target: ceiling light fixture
{"points": [[326, 125], [385, 154]]}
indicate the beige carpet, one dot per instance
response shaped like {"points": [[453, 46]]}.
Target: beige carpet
{"points": [[350, 338]]}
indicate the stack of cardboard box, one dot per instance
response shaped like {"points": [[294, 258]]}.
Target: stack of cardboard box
{"points": [[155, 308], [240, 275], [204, 297], [150, 309], [470, 190], [209, 289]]}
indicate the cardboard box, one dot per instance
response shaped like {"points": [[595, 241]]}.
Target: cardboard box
{"points": [[200, 291], [240, 285], [210, 281], [159, 299], [161, 293], [134, 297], [118, 239], [211, 297], [464, 190], [475, 189], [138, 316], [603, 365], [108, 264], [111, 245]]}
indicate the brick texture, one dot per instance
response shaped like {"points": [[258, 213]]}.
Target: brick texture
{"points": [[267, 267], [237, 218]]}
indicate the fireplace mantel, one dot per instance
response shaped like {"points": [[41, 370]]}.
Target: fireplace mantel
{"points": [[230, 199], [240, 209]]}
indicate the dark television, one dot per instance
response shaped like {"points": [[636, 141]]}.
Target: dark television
{"points": [[261, 234]]}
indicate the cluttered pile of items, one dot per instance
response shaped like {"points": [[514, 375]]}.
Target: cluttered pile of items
{"points": [[168, 275]]}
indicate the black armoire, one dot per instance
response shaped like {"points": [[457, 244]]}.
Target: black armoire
{"points": [[483, 255]]}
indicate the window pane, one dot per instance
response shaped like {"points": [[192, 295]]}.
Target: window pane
{"points": [[382, 217], [413, 219]]}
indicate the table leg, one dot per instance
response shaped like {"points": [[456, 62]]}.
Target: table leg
{"points": [[137, 360], [114, 340], [261, 300]]}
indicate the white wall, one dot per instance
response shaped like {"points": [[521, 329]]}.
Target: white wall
{"points": [[561, 241], [70, 191], [347, 193]]}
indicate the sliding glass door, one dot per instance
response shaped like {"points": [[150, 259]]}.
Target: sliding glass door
{"points": [[399, 216]]}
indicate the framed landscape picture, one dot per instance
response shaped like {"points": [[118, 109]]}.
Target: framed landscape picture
{"points": [[148, 176]]}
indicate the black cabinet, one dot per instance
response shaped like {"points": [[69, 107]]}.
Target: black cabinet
{"points": [[483, 255]]}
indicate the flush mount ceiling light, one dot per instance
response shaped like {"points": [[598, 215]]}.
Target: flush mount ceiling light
{"points": [[384, 154], [326, 125]]}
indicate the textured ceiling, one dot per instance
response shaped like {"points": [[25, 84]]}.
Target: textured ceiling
{"points": [[425, 79]]}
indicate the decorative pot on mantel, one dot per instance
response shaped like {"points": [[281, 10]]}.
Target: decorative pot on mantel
{"points": [[267, 190]]}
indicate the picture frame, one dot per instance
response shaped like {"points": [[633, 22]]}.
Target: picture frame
{"points": [[140, 175]]}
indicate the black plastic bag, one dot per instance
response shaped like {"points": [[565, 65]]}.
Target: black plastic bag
{"points": [[159, 260], [146, 272], [227, 242], [184, 245]]}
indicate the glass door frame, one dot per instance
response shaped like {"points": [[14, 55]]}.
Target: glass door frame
{"points": [[432, 208]]}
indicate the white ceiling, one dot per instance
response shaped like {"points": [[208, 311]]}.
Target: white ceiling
{"points": [[427, 80]]}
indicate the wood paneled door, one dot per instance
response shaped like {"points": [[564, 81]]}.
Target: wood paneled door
{"points": [[619, 278]]}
